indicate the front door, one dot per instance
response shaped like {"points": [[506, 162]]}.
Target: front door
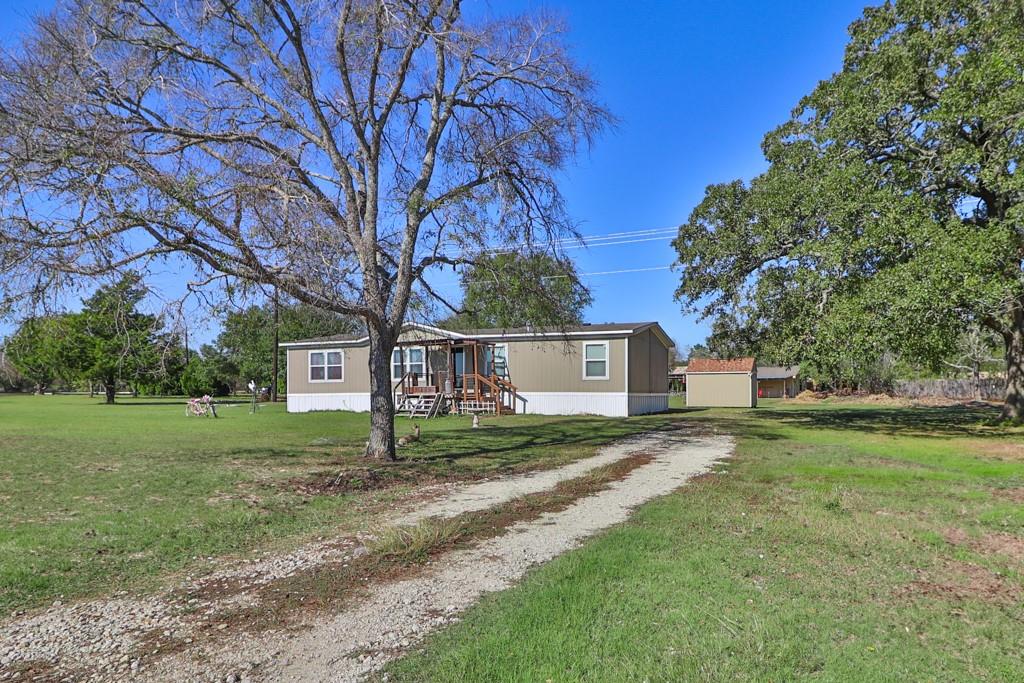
{"points": [[459, 366]]}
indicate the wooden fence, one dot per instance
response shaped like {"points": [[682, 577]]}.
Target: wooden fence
{"points": [[990, 389]]}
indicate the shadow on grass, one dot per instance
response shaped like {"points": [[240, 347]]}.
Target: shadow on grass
{"points": [[504, 446], [944, 422], [176, 402]]}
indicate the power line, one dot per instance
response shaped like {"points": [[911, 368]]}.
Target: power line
{"points": [[450, 283], [597, 240], [611, 272], [584, 246]]}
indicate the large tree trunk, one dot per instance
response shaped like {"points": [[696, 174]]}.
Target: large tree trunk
{"points": [[110, 390], [381, 444], [1013, 404]]}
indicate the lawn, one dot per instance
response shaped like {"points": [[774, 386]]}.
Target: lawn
{"points": [[98, 497], [841, 543]]}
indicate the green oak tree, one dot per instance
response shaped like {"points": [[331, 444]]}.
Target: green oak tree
{"points": [[891, 216], [513, 290]]}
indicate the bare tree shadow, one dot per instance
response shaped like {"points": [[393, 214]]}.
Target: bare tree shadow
{"points": [[942, 422]]}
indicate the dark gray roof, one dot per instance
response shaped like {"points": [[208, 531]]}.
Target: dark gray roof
{"points": [[587, 327], [777, 372], [496, 331], [332, 338]]}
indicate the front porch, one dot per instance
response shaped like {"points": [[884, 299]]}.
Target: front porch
{"points": [[441, 375]]}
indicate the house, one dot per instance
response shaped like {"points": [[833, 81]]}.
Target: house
{"points": [[778, 382], [613, 369], [721, 382]]}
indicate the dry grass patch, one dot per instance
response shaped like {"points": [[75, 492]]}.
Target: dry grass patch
{"points": [[999, 449], [1015, 495], [958, 581], [997, 543], [412, 544]]}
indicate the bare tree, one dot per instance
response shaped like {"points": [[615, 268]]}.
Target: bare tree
{"points": [[334, 150], [975, 348]]}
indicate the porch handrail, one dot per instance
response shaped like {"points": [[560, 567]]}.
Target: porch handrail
{"points": [[507, 387], [399, 383], [505, 384]]}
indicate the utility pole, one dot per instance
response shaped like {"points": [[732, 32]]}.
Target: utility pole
{"points": [[273, 363]]}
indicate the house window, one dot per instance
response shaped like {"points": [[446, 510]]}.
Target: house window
{"points": [[326, 366], [595, 360], [501, 360], [414, 362], [495, 359], [396, 364]]}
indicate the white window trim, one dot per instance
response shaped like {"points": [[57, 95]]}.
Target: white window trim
{"points": [[325, 380], [406, 363], [607, 361]]}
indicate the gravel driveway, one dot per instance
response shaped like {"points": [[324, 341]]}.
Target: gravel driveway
{"points": [[395, 616], [102, 637]]}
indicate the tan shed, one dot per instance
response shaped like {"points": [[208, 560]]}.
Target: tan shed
{"points": [[725, 383]]}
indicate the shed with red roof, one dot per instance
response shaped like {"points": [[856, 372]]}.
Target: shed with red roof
{"points": [[721, 382]]}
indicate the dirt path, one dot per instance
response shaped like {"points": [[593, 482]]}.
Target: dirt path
{"points": [[395, 616], [114, 638]]}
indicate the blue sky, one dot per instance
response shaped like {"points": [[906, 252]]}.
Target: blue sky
{"points": [[695, 86]]}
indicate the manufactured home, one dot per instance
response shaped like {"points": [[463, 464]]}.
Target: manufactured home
{"points": [[614, 369]]}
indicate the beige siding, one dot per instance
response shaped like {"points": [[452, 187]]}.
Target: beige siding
{"points": [[534, 366], [648, 364], [357, 372], [729, 390], [557, 366], [640, 363]]}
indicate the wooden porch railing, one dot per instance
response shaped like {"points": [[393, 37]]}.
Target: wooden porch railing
{"points": [[474, 387], [503, 391], [400, 383], [507, 389]]}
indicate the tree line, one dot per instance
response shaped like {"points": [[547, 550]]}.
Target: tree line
{"points": [[111, 345]]}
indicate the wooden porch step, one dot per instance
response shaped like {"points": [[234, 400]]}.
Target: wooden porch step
{"points": [[421, 405]]}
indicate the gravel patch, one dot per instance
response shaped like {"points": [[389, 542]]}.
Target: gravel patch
{"points": [[395, 616], [113, 637]]}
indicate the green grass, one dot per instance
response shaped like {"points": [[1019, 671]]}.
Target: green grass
{"points": [[97, 498], [819, 553]]}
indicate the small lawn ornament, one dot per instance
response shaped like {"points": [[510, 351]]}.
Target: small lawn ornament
{"points": [[410, 438], [476, 421], [201, 407]]}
